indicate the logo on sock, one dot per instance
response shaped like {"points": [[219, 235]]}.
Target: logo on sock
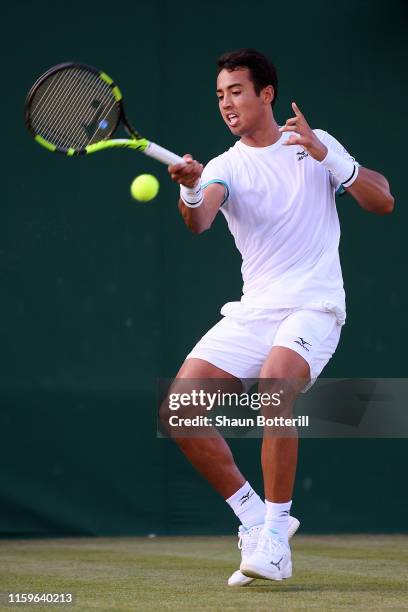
{"points": [[246, 497], [284, 513]]}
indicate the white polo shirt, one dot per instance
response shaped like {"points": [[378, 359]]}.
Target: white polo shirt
{"points": [[280, 208]]}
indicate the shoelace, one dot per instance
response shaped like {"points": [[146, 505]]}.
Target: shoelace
{"points": [[240, 541], [269, 545], [243, 541], [247, 541]]}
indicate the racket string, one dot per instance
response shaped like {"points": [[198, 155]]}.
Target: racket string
{"points": [[103, 117], [51, 114], [36, 102], [62, 110], [50, 117], [53, 84], [45, 107], [86, 117], [67, 119]]}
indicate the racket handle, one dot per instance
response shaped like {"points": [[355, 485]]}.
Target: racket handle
{"points": [[162, 155]]}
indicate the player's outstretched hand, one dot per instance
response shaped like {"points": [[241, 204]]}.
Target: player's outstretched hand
{"points": [[188, 173], [303, 135]]}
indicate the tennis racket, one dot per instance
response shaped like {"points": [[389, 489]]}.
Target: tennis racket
{"points": [[74, 109]]}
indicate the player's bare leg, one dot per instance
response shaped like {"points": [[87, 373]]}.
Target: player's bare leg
{"points": [[283, 370], [210, 454], [212, 457]]}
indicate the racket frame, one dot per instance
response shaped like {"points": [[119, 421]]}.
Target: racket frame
{"points": [[136, 141]]}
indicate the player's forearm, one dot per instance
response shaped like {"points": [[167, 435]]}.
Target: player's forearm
{"points": [[197, 220], [372, 191], [199, 216]]}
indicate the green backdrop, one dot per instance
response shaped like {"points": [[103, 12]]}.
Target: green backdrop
{"points": [[100, 296]]}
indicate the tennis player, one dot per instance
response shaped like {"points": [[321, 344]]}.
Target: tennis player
{"points": [[276, 188]]}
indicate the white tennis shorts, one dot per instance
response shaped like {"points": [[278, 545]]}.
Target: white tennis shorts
{"points": [[242, 340]]}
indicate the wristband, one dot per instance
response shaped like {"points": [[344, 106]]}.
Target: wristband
{"points": [[344, 170], [192, 196]]}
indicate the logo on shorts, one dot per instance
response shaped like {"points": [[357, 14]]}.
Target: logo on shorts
{"points": [[303, 343]]}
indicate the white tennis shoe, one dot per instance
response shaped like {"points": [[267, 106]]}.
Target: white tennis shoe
{"points": [[271, 559], [247, 543]]}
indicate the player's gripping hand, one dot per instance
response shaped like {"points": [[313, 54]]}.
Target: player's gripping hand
{"points": [[188, 173], [303, 135]]}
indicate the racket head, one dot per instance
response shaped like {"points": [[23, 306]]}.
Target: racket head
{"points": [[72, 106]]}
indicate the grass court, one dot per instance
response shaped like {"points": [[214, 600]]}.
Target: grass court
{"points": [[190, 573]]}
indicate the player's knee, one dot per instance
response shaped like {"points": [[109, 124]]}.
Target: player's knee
{"points": [[169, 413], [282, 393]]}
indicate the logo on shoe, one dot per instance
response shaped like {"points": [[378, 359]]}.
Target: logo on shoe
{"points": [[246, 497], [303, 343], [278, 563]]}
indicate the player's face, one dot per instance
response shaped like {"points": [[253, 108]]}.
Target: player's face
{"points": [[240, 107]]}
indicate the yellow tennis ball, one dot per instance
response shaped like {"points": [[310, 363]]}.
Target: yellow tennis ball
{"points": [[144, 187]]}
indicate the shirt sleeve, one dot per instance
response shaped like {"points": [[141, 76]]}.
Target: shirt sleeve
{"points": [[334, 145], [217, 171]]}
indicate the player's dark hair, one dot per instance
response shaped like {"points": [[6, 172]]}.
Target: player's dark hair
{"points": [[261, 69]]}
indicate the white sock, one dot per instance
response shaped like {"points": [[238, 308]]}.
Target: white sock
{"points": [[248, 506], [277, 518]]}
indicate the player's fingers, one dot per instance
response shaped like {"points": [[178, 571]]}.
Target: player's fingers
{"points": [[192, 174], [181, 165], [296, 139], [194, 168], [296, 109], [289, 128], [294, 128], [289, 123], [176, 167], [186, 172], [190, 170]]}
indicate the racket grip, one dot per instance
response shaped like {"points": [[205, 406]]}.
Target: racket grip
{"points": [[162, 155]]}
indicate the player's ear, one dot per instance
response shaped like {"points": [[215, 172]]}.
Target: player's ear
{"points": [[268, 94]]}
